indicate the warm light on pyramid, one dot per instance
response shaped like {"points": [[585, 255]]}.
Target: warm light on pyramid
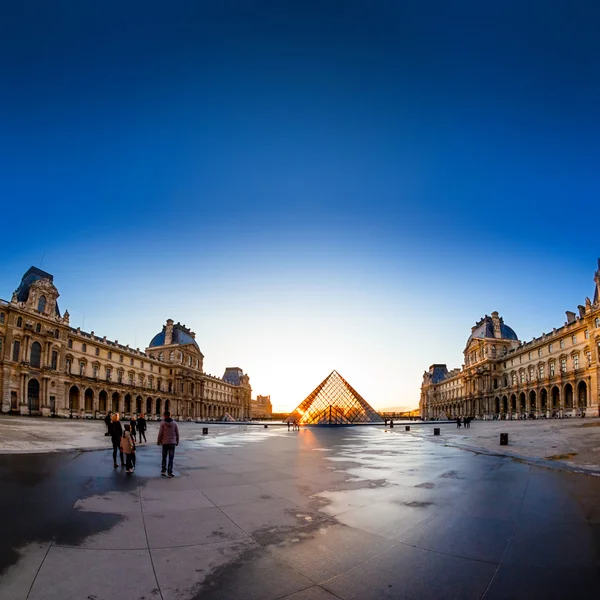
{"points": [[334, 402]]}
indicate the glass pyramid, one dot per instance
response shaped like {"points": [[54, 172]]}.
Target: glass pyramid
{"points": [[334, 402]]}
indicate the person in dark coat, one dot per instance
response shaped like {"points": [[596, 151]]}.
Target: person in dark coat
{"points": [[141, 427], [132, 427], [116, 433], [107, 422]]}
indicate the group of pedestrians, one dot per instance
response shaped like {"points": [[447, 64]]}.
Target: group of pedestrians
{"points": [[294, 425], [466, 421], [123, 440]]}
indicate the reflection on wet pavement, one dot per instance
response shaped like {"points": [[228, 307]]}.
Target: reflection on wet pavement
{"points": [[322, 513]]}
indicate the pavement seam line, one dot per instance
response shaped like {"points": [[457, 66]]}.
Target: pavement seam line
{"points": [[139, 489], [512, 535], [39, 568]]}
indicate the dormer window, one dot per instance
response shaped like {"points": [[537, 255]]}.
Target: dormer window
{"points": [[42, 304]]}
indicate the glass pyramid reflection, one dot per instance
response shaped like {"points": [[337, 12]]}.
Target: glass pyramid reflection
{"points": [[334, 402]]}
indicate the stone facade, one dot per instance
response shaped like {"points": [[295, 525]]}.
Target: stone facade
{"points": [[47, 367], [262, 407], [554, 375]]}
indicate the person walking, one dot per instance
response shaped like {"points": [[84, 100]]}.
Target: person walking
{"points": [[116, 433], [168, 438], [132, 426], [141, 427], [128, 447], [458, 422]]}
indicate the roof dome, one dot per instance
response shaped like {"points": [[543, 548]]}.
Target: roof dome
{"points": [[485, 329], [180, 336]]}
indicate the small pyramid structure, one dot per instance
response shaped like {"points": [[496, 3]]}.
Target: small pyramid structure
{"points": [[334, 402], [227, 417]]}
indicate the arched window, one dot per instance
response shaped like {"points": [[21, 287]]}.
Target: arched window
{"points": [[42, 304], [36, 355]]}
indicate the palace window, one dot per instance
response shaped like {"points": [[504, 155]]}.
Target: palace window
{"points": [[522, 376], [95, 371], [512, 362], [109, 355], [108, 373], [550, 347], [171, 356], [20, 322], [563, 365], [84, 347], [170, 387], [562, 343], [596, 322], [35, 358], [541, 370], [576, 361], [56, 333], [530, 373], [574, 339], [130, 378], [586, 334], [160, 356], [551, 366], [540, 352], [2, 317], [120, 376], [529, 356], [97, 351], [505, 381], [68, 365], [16, 350], [42, 304], [151, 367], [38, 327], [121, 358], [54, 364], [69, 343], [131, 361], [141, 364], [82, 368], [588, 355]]}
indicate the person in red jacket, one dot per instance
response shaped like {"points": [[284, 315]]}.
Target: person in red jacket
{"points": [[168, 438]]}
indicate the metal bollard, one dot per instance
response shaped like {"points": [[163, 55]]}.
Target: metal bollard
{"points": [[407, 428], [504, 439], [266, 426], [205, 431], [391, 424], [436, 431]]}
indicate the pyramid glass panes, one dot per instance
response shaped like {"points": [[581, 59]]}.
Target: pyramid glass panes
{"points": [[334, 402]]}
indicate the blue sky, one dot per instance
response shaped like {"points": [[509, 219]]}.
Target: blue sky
{"points": [[308, 185]]}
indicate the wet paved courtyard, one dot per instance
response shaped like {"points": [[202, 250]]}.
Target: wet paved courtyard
{"points": [[351, 513]]}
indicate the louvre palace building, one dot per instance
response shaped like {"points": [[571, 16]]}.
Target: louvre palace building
{"points": [[554, 375], [49, 368]]}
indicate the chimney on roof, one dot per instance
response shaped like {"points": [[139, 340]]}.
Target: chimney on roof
{"points": [[169, 332], [570, 316], [496, 322]]}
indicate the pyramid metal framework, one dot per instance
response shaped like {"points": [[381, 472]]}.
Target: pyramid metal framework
{"points": [[334, 402]]}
